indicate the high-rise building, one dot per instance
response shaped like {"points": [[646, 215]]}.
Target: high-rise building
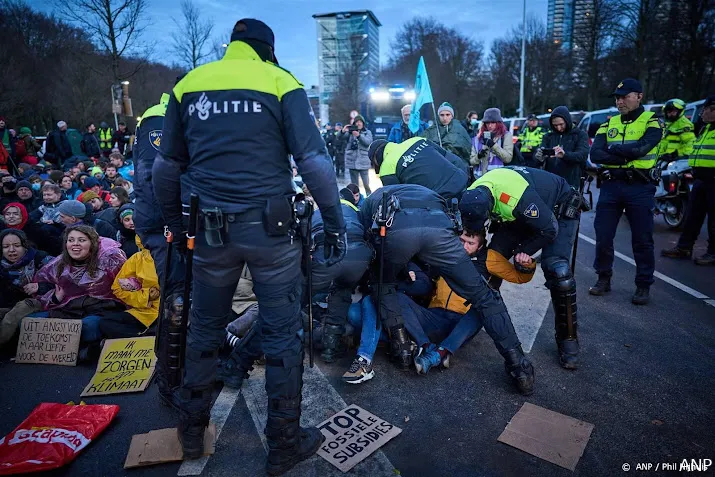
{"points": [[347, 41], [564, 19]]}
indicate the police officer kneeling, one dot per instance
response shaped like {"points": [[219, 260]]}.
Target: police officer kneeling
{"points": [[627, 148], [229, 128], [537, 210]]}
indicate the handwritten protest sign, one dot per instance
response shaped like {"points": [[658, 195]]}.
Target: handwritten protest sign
{"points": [[353, 434], [125, 366], [49, 341]]}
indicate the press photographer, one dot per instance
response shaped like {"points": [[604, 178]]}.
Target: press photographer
{"points": [[356, 157]]}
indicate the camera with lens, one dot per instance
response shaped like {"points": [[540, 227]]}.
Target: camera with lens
{"points": [[353, 128]]}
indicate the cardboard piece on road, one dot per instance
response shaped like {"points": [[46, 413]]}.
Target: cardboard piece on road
{"points": [[126, 365], [162, 446], [362, 434], [548, 435], [49, 341]]}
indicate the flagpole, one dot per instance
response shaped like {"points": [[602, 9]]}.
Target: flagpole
{"points": [[436, 125]]}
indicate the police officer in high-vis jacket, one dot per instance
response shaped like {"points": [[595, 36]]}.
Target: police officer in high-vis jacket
{"points": [[702, 198], [420, 227], [418, 161], [228, 132], [536, 210], [626, 146], [530, 139], [149, 223], [679, 135]]}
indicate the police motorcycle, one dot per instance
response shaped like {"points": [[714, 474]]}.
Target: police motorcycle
{"points": [[673, 191]]}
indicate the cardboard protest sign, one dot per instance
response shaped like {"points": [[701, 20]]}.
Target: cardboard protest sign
{"points": [[548, 435], [162, 446], [49, 341], [125, 366], [353, 434]]}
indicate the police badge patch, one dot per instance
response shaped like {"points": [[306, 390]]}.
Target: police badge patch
{"points": [[155, 138], [532, 211], [613, 132]]}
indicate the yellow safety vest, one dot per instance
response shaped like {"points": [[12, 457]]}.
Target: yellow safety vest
{"points": [[618, 132], [105, 138], [392, 154], [678, 136], [530, 140], [507, 186], [703, 154]]}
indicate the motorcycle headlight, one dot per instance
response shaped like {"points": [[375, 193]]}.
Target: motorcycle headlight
{"points": [[670, 164]]}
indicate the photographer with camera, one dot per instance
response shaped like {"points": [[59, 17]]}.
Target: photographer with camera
{"points": [[493, 146], [358, 139], [564, 150]]}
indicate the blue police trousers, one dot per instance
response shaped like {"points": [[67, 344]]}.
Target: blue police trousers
{"points": [[638, 202]]}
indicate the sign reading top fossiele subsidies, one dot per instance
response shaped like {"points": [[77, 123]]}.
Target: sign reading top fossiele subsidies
{"points": [[352, 435], [49, 341], [125, 366]]}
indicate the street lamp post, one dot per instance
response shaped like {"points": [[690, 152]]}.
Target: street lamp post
{"points": [[523, 63]]}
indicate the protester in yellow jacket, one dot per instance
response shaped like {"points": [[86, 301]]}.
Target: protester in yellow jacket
{"points": [[137, 286]]}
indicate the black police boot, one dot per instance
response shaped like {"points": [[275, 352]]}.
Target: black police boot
{"points": [[232, 373], [641, 296], [676, 252], [402, 348], [602, 286], [566, 325], [520, 369], [288, 443], [193, 419], [333, 347], [167, 397]]}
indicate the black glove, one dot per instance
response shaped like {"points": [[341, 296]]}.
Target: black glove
{"points": [[179, 238], [489, 142], [616, 150], [482, 154], [335, 246]]}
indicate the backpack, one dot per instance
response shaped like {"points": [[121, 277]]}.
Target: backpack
{"points": [[20, 148]]}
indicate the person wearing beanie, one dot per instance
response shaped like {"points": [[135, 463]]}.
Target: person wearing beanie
{"points": [[358, 139], [26, 197], [263, 115], [493, 146], [93, 184], [418, 161], [127, 235], [523, 201], [449, 133], [90, 197]]}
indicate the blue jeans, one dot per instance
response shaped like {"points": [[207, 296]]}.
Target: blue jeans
{"points": [[363, 317], [90, 326]]}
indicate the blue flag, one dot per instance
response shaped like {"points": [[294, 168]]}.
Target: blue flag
{"points": [[423, 95]]}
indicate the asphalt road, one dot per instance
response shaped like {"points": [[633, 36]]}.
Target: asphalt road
{"points": [[645, 382]]}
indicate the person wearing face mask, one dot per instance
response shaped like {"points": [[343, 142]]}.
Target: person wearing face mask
{"points": [[570, 148], [80, 280], [400, 131], [627, 148], [471, 124]]}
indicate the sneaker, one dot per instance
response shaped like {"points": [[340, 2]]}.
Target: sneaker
{"points": [[676, 252], [445, 361], [706, 259], [359, 372], [641, 296], [428, 359]]}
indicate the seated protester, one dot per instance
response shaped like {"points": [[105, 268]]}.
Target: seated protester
{"points": [[81, 178], [92, 199], [26, 196], [127, 237], [128, 186], [30, 145], [74, 212], [70, 188], [124, 168], [446, 318], [119, 196], [8, 193], [137, 286], [92, 184], [111, 176], [49, 212], [44, 237], [81, 280], [55, 176], [20, 262], [24, 170]]}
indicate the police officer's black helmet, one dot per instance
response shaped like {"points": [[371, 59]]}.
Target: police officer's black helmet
{"points": [[476, 206], [252, 29]]}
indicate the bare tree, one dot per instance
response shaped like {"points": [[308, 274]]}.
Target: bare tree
{"points": [[114, 25], [192, 38]]}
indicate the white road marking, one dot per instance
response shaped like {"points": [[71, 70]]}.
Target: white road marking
{"points": [[219, 414], [527, 305], [320, 401], [665, 278]]}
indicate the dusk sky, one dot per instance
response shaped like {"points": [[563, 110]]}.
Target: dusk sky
{"points": [[295, 29]]}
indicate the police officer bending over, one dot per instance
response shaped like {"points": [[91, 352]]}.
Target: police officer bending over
{"points": [[537, 210], [627, 147], [229, 128], [418, 161], [419, 227]]}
